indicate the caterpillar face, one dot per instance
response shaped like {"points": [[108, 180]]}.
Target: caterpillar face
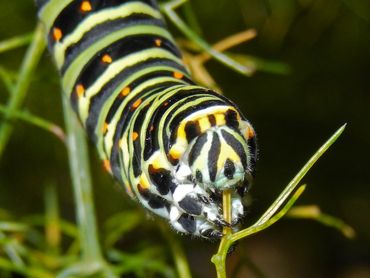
{"points": [[217, 150], [218, 158], [173, 145]]}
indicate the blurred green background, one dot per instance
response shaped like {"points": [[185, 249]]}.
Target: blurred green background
{"points": [[326, 44]]}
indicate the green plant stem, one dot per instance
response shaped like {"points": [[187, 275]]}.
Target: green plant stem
{"points": [[314, 212], [259, 226], [28, 66], [271, 215], [34, 120], [181, 262], [25, 271], [7, 80], [220, 258], [298, 177], [191, 19], [15, 42], [169, 10], [81, 181], [92, 261], [11, 250], [180, 259], [52, 220]]}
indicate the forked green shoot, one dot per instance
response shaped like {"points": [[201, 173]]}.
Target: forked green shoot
{"points": [[276, 211]]}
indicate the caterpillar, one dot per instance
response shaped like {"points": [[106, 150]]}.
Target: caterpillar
{"points": [[175, 146]]}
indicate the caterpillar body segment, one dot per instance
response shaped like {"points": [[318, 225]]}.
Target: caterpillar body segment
{"points": [[175, 146]]}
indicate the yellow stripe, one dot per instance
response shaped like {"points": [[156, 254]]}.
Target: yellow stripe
{"points": [[108, 138], [204, 124], [77, 65], [201, 116], [116, 68], [225, 153], [220, 119], [108, 103], [183, 107], [96, 19]]}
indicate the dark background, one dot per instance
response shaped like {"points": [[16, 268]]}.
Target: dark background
{"points": [[326, 43]]}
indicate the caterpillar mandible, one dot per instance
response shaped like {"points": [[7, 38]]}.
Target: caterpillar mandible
{"points": [[175, 146]]}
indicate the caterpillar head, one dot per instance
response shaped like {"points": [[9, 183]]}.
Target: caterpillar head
{"points": [[221, 159]]}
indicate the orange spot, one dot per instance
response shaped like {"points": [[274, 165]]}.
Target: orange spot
{"points": [[125, 91], [158, 42], [250, 133], [106, 165], [135, 135], [151, 128], [57, 34], [105, 127], [141, 188], [80, 90], [85, 6], [178, 75], [136, 104], [165, 104], [106, 59]]}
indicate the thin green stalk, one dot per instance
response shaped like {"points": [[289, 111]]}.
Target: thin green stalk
{"points": [[7, 226], [34, 120], [25, 271], [169, 10], [11, 251], [298, 177], [181, 262], [29, 64], [91, 255], [220, 258], [81, 181], [15, 42], [288, 197], [259, 226], [191, 19], [7, 79], [52, 220], [314, 212]]}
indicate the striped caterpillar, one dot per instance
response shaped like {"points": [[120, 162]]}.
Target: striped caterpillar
{"points": [[175, 146]]}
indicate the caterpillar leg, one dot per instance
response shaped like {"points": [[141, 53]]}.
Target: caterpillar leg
{"points": [[193, 200], [201, 205], [237, 210], [190, 211], [195, 225], [153, 202], [183, 193]]}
